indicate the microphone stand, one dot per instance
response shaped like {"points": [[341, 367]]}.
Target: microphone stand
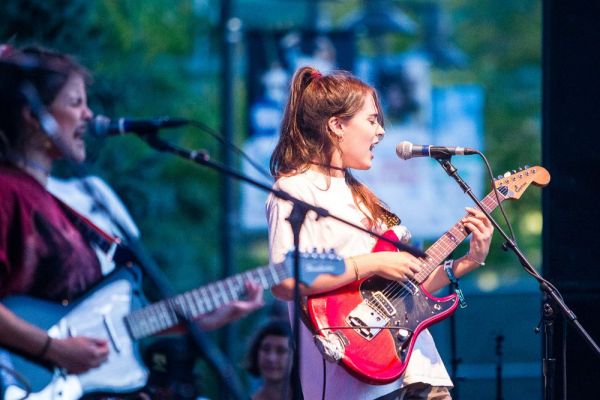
{"points": [[296, 219], [202, 342], [551, 296]]}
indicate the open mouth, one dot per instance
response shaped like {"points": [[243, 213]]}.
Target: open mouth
{"points": [[80, 132]]}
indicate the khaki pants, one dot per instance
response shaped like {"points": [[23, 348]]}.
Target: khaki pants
{"points": [[419, 391]]}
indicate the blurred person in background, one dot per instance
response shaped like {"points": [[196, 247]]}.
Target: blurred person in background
{"points": [[270, 359]]}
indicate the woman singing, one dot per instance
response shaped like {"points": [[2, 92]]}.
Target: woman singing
{"points": [[331, 125]]}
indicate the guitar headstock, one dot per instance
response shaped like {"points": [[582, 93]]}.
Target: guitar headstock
{"points": [[315, 263], [512, 184]]}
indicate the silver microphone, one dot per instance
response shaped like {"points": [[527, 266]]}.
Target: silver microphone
{"points": [[101, 126], [406, 150]]}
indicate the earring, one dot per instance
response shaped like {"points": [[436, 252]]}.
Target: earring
{"points": [[340, 139], [48, 144]]}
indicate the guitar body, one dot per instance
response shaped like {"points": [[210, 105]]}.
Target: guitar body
{"points": [[377, 357], [378, 321], [100, 314]]}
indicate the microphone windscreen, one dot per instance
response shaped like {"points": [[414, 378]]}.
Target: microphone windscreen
{"points": [[98, 126], [404, 150]]}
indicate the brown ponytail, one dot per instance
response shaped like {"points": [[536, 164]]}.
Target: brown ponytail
{"points": [[305, 137]]}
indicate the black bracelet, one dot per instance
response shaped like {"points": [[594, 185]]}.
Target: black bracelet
{"points": [[45, 348]]}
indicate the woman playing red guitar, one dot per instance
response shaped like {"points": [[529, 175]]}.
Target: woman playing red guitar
{"points": [[331, 125]]}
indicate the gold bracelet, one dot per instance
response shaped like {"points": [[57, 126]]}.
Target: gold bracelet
{"points": [[470, 257], [355, 268]]}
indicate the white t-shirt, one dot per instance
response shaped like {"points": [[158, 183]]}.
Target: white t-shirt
{"points": [[333, 194], [95, 200]]}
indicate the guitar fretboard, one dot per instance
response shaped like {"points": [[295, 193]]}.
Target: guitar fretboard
{"points": [[446, 244], [166, 314]]}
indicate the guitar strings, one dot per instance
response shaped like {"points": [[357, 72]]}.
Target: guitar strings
{"points": [[397, 290]]}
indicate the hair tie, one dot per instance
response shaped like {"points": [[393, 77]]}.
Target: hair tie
{"points": [[5, 50], [316, 74]]}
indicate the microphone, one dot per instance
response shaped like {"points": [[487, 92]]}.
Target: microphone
{"points": [[101, 126], [406, 150]]}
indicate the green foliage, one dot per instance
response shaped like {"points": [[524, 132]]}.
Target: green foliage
{"points": [[503, 41], [65, 24], [141, 56]]}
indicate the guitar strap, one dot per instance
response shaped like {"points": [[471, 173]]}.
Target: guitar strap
{"points": [[112, 246], [305, 317]]}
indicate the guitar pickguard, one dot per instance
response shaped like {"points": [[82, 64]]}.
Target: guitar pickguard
{"points": [[399, 310], [100, 314], [376, 351]]}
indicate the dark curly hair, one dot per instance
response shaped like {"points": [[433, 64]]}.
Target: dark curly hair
{"points": [[44, 69], [273, 328]]}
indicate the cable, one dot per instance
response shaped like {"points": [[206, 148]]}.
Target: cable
{"points": [[19, 377], [493, 182], [324, 379], [217, 135], [564, 359]]}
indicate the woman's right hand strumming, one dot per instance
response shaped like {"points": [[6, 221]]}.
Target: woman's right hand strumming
{"points": [[78, 354], [397, 266], [392, 265]]}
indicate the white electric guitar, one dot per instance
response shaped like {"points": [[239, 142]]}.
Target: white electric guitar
{"points": [[114, 310]]}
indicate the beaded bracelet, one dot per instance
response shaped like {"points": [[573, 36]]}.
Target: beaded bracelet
{"points": [[448, 264]]}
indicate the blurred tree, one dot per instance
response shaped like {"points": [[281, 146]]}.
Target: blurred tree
{"points": [[140, 54], [503, 41], [38, 21]]}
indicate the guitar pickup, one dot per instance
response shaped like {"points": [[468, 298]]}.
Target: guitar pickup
{"points": [[382, 303], [367, 320]]}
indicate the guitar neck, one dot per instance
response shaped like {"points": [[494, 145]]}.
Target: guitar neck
{"points": [[446, 244], [163, 315]]}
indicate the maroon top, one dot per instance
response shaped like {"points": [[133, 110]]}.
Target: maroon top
{"points": [[42, 254]]}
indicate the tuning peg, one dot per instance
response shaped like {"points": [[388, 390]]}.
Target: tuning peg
{"points": [[520, 169], [332, 255], [507, 174], [499, 177], [526, 166], [513, 172]]}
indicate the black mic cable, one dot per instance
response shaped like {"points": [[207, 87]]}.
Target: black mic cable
{"points": [[217, 135]]}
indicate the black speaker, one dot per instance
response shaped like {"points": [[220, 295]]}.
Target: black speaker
{"points": [[571, 152]]}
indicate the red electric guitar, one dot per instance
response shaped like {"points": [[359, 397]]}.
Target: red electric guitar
{"points": [[371, 325]]}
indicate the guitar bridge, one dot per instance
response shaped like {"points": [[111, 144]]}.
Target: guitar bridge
{"points": [[368, 318]]}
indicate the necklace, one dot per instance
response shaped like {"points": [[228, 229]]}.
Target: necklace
{"points": [[328, 166]]}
